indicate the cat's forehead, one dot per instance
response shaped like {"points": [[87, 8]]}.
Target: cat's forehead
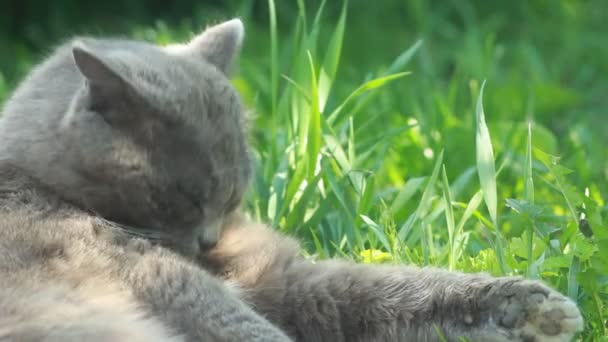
{"points": [[153, 66], [171, 81]]}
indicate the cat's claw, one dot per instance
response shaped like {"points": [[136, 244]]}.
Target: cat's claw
{"points": [[528, 311]]}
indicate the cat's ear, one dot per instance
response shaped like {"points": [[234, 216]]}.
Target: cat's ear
{"points": [[219, 44], [98, 71]]}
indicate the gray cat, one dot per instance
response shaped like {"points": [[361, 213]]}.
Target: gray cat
{"points": [[132, 133], [122, 166]]}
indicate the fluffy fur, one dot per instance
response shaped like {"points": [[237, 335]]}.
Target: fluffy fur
{"points": [[151, 138], [122, 165]]}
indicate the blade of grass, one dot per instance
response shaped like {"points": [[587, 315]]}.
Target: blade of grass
{"points": [[529, 198], [470, 209], [398, 64], [302, 14], [487, 174], [378, 231], [404, 58], [423, 209], [449, 218], [298, 87], [429, 190], [313, 37], [293, 184], [405, 194], [365, 87], [366, 198], [351, 141], [313, 143], [528, 181], [485, 159], [298, 212], [332, 59], [274, 56]]}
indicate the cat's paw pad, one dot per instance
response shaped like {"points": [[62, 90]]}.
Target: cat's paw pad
{"points": [[531, 312]]}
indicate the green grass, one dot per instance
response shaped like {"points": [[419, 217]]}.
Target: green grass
{"points": [[429, 135]]}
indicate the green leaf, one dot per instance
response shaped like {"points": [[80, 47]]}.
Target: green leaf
{"points": [[406, 193], [378, 231], [404, 58], [529, 198], [557, 262], [429, 190], [449, 218], [559, 173], [365, 87], [367, 197], [487, 173], [332, 59], [292, 188], [298, 213], [485, 159], [274, 55], [460, 236], [525, 208], [335, 149], [423, 207], [528, 181], [582, 248], [313, 143]]}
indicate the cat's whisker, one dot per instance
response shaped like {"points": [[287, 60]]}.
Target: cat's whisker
{"points": [[149, 234]]}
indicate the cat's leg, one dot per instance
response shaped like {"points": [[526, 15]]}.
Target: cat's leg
{"points": [[368, 303], [47, 311], [342, 301], [192, 301]]}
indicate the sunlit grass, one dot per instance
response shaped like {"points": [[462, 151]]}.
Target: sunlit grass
{"points": [[329, 184]]}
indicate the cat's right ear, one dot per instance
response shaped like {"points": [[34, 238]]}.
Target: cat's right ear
{"points": [[103, 80], [219, 45]]}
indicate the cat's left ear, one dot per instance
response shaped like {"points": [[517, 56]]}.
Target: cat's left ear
{"points": [[219, 44]]}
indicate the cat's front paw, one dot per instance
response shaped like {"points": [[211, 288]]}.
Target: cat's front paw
{"points": [[528, 311]]}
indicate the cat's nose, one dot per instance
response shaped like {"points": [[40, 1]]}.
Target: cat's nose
{"points": [[209, 234]]}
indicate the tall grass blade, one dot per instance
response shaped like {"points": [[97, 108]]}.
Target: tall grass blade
{"points": [[274, 56], [449, 218], [528, 181], [529, 198], [328, 72], [487, 173], [404, 58], [313, 144], [485, 159], [365, 87]]}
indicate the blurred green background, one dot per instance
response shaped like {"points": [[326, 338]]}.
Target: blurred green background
{"points": [[363, 181], [542, 59]]}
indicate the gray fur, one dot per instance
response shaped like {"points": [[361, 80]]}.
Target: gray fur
{"points": [[145, 136], [108, 139], [142, 135]]}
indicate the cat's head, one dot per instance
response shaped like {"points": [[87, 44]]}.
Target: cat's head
{"points": [[157, 133]]}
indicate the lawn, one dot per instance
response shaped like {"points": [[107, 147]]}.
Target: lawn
{"points": [[467, 134]]}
